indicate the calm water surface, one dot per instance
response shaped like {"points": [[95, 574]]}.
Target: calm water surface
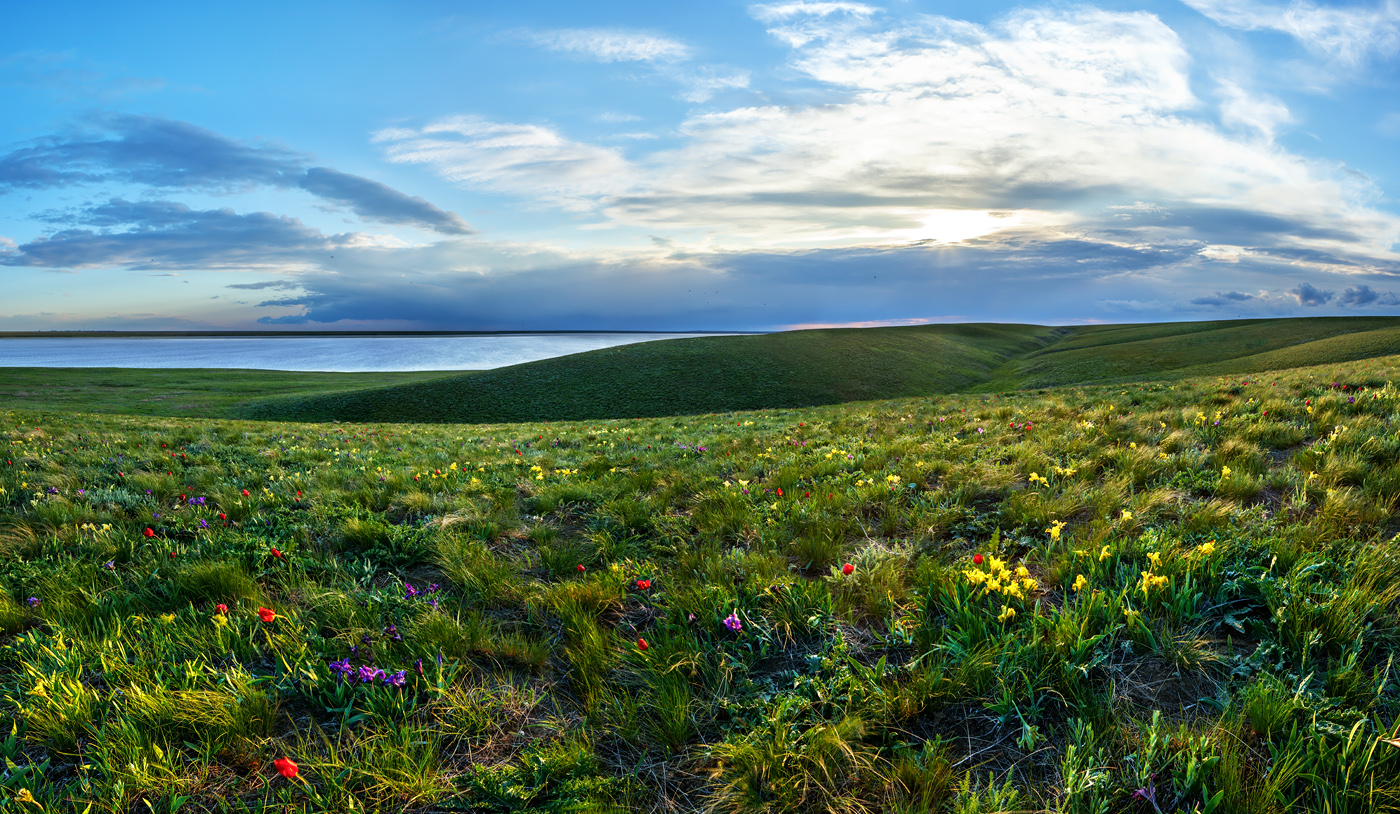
{"points": [[348, 354]]}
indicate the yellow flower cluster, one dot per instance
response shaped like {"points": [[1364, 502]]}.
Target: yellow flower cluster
{"points": [[1225, 472], [1055, 529], [1150, 581], [1007, 614], [1065, 471], [1079, 583], [998, 578], [1036, 477], [1206, 549]]}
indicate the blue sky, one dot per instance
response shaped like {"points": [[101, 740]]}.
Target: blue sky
{"points": [[724, 165]]}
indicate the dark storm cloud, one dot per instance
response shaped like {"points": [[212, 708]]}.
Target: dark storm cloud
{"points": [[150, 151], [1363, 295], [1227, 225], [719, 291], [168, 154], [166, 235], [375, 201], [1222, 298], [1309, 296], [264, 285]]}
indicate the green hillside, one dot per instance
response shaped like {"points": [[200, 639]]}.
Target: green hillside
{"points": [[688, 376], [807, 368]]}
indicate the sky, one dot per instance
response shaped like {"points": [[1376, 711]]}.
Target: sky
{"points": [[695, 166]]}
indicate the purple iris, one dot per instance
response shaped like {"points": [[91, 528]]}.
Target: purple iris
{"points": [[395, 679], [342, 669], [34, 601], [409, 591], [369, 673], [732, 622]]}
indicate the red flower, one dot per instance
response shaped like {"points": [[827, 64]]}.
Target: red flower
{"points": [[277, 554], [780, 491], [266, 614], [581, 569], [222, 609], [223, 516], [148, 532], [976, 559], [847, 569], [285, 767], [643, 584], [172, 555], [642, 645], [806, 494], [245, 492]]}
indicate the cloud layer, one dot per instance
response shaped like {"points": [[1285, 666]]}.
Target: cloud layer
{"points": [[167, 155]]}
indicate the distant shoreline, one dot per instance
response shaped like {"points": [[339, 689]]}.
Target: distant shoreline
{"points": [[186, 334]]}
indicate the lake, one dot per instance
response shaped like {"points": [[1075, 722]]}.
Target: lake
{"points": [[346, 354]]}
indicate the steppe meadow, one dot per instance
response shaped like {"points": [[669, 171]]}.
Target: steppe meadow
{"points": [[739, 407]]}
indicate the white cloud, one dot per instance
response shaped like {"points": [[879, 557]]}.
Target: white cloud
{"points": [[523, 159], [934, 126], [612, 45], [1348, 35], [703, 84], [1260, 113]]}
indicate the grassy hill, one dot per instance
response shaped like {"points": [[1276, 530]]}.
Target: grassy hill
{"points": [[805, 368], [1141, 597], [690, 376]]}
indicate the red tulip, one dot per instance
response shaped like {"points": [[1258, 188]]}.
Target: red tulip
{"points": [[277, 554], [172, 555], [847, 569], [976, 559], [222, 609], [148, 532], [581, 569], [223, 516], [266, 614], [642, 645], [245, 492], [644, 584], [285, 767]]}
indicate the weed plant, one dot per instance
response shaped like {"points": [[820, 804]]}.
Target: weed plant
{"points": [[1148, 597]]}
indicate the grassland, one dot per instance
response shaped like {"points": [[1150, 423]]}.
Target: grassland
{"points": [[161, 392], [806, 368], [1154, 596]]}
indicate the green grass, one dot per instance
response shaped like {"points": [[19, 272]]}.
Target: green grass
{"points": [[718, 374], [687, 376], [806, 368], [162, 392], [1178, 596]]}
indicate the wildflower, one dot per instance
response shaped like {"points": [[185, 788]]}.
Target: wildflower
{"points": [[285, 767], [642, 645], [418, 666], [110, 565], [975, 577], [977, 559], [1022, 571], [1224, 472], [732, 622], [34, 601], [1030, 584], [847, 569], [1007, 613], [368, 673], [204, 524], [148, 532], [223, 516], [1206, 549], [1055, 529], [396, 679], [220, 620], [580, 568], [221, 609], [266, 614], [1126, 516], [1104, 553], [276, 553], [409, 591], [245, 492], [644, 585], [1156, 559], [25, 796], [1079, 583]]}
